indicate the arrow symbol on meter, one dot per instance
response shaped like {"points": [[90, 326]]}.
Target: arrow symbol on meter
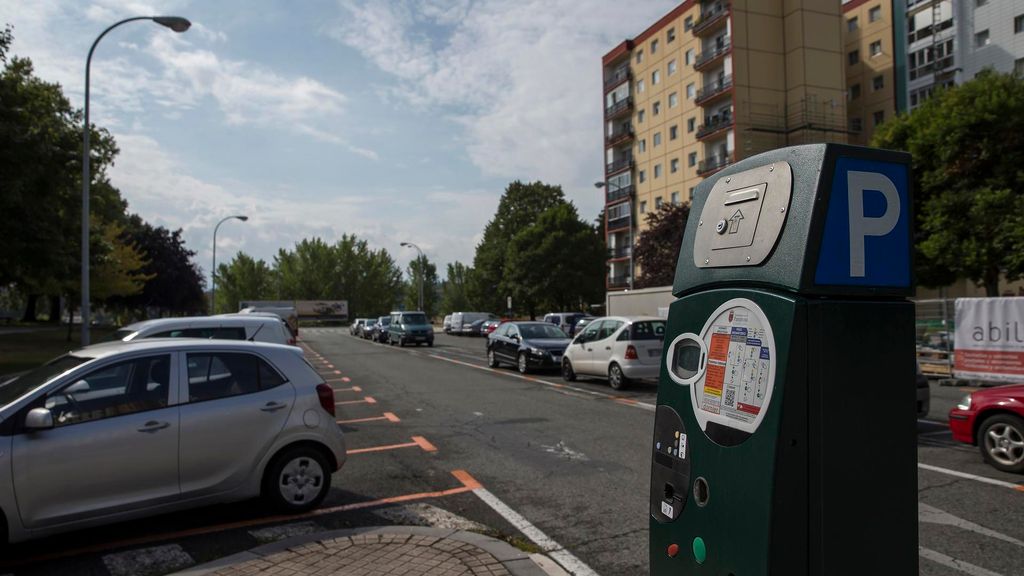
{"points": [[734, 222]]}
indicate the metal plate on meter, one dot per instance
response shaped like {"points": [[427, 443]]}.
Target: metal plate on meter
{"points": [[743, 217]]}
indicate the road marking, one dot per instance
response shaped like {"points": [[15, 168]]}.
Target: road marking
{"points": [[958, 565], [335, 380], [346, 379], [352, 389], [933, 515], [986, 480], [366, 400], [630, 402], [157, 559], [417, 441], [387, 416]]}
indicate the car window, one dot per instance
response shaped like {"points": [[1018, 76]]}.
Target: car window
{"points": [[608, 327], [225, 374], [542, 331], [15, 387], [647, 330], [590, 334], [123, 388]]}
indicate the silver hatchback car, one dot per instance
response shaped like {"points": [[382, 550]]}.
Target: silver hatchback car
{"points": [[123, 430]]}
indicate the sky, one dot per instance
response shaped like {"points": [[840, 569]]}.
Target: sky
{"points": [[398, 120]]}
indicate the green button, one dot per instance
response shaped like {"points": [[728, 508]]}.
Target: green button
{"points": [[700, 552]]}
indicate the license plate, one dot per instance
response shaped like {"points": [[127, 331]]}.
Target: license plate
{"points": [[654, 352]]}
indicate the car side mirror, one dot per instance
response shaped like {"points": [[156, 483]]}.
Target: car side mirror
{"points": [[515, 337], [39, 419], [77, 388]]}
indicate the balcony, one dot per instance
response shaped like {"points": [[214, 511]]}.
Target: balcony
{"points": [[713, 124], [705, 59], [618, 282], [619, 165], [618, 76], [713, 90], [619, 108], [710, 17], [712, 164], [619, 193], [618, 137], [619, 252], [619, 222]]}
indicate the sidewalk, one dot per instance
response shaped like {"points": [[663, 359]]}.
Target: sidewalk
{"points": [[383, 551]]}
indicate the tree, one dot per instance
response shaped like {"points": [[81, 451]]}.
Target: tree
{"points": [[176, 285], [967, 144], [119, 271], [454, 289], [421, 267], [657, 248], [244, 278], [556, 263]]}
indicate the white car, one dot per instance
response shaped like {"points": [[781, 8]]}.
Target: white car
{"points": [[619, 348], [255, 328], [124, 430]]}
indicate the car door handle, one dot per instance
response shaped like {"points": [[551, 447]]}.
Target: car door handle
{"points": [[607, 347], [590, 349], [153, 426], [272, 406]]}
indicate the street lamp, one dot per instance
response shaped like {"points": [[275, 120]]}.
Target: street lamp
{"points": [[175, 23], [213, 273], [617, 188], [423, 264]]}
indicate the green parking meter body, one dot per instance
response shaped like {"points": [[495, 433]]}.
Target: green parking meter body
{"points": [[785, 431]]}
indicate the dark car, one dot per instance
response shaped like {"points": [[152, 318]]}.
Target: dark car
{"points": [[380, 329], [993, 420], [527, 345]]}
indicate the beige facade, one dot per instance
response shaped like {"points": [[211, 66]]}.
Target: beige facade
{"points": [[869, 56], [707, 85]]}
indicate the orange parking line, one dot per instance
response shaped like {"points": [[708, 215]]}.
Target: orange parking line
{"points": [[383, 448], [387, 416], [334, 380], [1019, 488], [346, 379], [467, 480], [366, 400], [391, 417], [423, 443], [352, 389]]}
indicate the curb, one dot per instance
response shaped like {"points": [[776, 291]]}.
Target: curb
{"points": [[517, 562]]}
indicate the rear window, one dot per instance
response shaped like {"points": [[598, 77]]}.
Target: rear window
{"points": [[648, 330], [414, 318]]}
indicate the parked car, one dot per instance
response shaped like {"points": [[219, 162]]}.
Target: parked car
{"points": [[580, 324], [564, 320], [446, 325], [410, 328], [253, 327], [526, 345], [380, 329], [356, 328], [463, 322], [924, 393], [123, 430], [993, 420], [489, 326], [620, 348], [286, 313]]}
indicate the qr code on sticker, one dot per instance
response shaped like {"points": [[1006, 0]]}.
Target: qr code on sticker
{"points": [[730, 397]]}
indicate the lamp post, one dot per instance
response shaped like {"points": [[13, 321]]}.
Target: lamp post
{"points": [[618, 187], [423, 265], [175, 23], [213, 272]]}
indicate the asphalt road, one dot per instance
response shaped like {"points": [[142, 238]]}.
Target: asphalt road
{"points": [[567, 462]]}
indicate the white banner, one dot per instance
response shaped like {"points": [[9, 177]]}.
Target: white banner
{"points": [[989, 342]]}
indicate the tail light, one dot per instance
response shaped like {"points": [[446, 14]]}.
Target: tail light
{"points": [[291, 341], [631, 352], [326, 395]]}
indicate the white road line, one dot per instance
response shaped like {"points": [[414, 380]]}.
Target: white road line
{"points": [[965, 475], [933, 515], [566, 559], [958, 565]]}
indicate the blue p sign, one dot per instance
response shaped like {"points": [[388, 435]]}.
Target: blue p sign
{"points": [[866, 241]]}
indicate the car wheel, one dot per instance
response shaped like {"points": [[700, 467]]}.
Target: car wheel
{"points": [[1001, 440], [616, 379], [297, 480], [492, 360], [524, 368], [567, 372], [430, 344]]}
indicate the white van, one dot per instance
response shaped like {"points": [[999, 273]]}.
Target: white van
{"points": [[256, 328]]}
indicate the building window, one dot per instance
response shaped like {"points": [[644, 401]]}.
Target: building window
{"points": [[673, 132], [673, 100], [642, 175], [878, 82], [876, 48], [874, 14], [851, 24], [673, 167], [654, 46], [854, 91], [655, 77], [856, 125], [670, 36], [657, 170], [657, 202], [639, 86], [672, 66], [691, 159], [642, 145], [643, 206], [640, 116], [981, 39], [980, 3], [691, 123], [691, 193], [657, 138], [691, 91], [688, 23], [878, 117], [675, 197], [689, 57], [1018, 67], [656, 108], [853, 57], [639, 56], [1018, 24]]}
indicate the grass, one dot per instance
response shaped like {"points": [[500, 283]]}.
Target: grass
{"points": [[25, 350]]}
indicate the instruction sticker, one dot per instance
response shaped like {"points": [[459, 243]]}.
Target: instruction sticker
{"points": [[736, 387]]}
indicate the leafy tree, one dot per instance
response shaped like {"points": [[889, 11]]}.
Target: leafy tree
{"points": [[119, 271], [967, 144], [657, 248], [176, 282], [421, 267], [244, 278], [556, 263], [454, 296]]}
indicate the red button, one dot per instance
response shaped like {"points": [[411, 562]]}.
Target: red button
{"points": [[673, 549]]}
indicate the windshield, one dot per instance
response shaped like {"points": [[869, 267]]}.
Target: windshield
{"points": [[385, 321], [648, 330], [14, 388], [414, 318], [541, 331]]}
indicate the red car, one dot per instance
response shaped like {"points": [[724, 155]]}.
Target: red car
{"points": [[993, 420]]}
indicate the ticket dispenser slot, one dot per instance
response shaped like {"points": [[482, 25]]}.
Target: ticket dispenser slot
{"points": [[670, 471]]}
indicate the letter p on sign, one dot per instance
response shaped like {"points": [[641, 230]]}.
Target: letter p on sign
{"points": [[862, 226]]}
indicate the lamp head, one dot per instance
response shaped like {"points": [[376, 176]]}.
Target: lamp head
{"points": [[176, 23]]}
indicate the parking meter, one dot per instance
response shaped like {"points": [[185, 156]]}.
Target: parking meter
{"points": [[785, 430]]}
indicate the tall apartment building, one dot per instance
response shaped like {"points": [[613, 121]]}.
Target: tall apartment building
{"points": [[711, 83], [874, 40]]}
